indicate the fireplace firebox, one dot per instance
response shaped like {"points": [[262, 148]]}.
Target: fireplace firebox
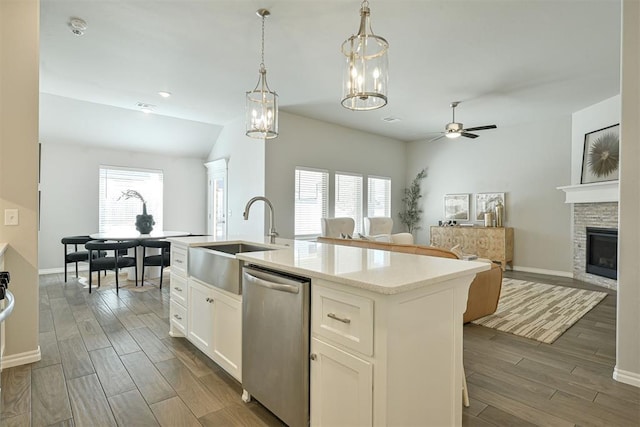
{"points": [[602, 252]]}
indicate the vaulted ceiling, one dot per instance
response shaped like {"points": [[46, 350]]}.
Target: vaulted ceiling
{"points": [[509, 62]]}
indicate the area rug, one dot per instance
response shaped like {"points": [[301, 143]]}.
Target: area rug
{"points": [[109, 282], [539, 311]]}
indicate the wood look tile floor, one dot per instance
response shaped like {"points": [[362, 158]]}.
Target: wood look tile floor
{"points": [[108, 360]]}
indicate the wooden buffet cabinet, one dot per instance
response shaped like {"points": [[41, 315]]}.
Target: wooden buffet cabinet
{"points": [[494, 243]]}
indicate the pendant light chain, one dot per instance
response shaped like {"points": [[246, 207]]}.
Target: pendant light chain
{"points": [[262, 63]]}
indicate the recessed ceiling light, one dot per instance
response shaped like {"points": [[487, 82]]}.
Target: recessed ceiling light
{"points": [[391, 119], [145, 108], [164, 94]]}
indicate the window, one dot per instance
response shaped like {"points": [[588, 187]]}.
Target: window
{"points": [[119, 214], [349, 198], [311, 200], [379, 200]]}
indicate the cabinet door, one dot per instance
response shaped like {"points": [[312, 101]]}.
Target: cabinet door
{"points": [[227, 333], [200, 317], [341, 387]]}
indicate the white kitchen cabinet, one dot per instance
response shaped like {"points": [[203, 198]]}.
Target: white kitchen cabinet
{"points": [[200, 316], [341, 387], [387, 359], [178, 295], [214, 322]]}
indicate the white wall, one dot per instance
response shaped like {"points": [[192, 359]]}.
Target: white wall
{"points": [[527, 162], [312, 143], [592, 118], [628, 321], [69, 186], [245, 177]]}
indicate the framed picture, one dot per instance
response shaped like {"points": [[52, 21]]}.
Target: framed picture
{"points": [[456, 206], [486, 202], [601, 156]]}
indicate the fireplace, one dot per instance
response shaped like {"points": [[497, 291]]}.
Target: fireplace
{"points": [[602, 252]]}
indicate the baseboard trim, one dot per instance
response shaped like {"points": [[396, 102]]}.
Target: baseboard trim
{"points": [[71, 271], [631, 378], [543, 271], [21, 358]]}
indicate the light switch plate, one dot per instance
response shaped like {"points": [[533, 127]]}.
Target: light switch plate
{"points": [[11, 217]]}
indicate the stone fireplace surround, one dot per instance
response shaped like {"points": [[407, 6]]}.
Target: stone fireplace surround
{"points": [[602, 215], [593, 205]]}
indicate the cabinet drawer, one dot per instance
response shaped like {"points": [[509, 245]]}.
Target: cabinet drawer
{"points": [[178, 317], [344, 318], [179, 260], [178, 289]]}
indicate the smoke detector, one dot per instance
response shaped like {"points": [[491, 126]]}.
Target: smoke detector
{"points": [[391, 119], [78, 26], [145, 108]]}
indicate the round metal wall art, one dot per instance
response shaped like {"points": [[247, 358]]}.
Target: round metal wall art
{"points": [[604, 155]]}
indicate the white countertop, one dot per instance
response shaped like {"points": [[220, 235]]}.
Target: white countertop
{"points": [[378, 271]]}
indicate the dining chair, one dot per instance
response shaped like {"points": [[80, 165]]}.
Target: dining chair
{"points": [[161, 260], [76, 256], [119, 260]]}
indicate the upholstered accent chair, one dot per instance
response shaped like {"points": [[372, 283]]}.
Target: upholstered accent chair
{"points": [[378, 225], [337, 227], [379, 228]]}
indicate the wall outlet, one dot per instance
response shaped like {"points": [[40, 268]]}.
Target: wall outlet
{"points": [[11, 217]]}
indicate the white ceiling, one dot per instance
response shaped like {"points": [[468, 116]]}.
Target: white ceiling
{"points": [[509, 61]]}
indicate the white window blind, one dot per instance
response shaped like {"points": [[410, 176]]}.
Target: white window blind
{"points": [[119, 214], [379, 200], [348, 198], [311, 200]]}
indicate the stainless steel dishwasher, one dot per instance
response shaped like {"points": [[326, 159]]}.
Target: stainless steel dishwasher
{"points": [[275, 342]]}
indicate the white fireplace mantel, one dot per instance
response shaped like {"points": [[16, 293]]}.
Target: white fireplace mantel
{"points": [[597, 192]]}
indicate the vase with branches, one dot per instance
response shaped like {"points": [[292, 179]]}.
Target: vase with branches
{"points": [[410, 216], [144, 222]]}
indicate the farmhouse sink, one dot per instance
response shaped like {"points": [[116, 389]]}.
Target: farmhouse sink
{"points": [[217, 265], [236, 248]]}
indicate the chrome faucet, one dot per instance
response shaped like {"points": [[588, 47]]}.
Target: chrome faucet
{"points": [[272, 230]]}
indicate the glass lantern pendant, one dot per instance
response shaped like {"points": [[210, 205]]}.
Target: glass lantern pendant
{"points": [[262, 103], [365, 78]]}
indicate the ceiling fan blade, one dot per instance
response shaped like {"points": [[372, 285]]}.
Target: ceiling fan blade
{"points": [[469, 135], [436, 138], [480, 128]]}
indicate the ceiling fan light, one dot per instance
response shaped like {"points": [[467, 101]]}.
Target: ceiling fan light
{"points": [[261, 119], [365, 77], [452, 135]]}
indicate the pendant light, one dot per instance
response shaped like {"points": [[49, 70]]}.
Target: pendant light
{"points": [[365, 78], [262, 103]]}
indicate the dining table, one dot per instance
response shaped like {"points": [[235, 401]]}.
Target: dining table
{"points": [[133, 234]]}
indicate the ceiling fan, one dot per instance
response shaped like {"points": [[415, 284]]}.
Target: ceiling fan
{"points": [[455, 130]]}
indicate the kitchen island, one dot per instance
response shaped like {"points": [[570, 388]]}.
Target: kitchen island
{"points": [[386, 329]]}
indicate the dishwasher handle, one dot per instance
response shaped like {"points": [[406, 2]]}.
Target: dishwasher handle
{"points": [[292, 289]]}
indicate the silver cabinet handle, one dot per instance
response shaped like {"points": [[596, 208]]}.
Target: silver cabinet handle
{"points": [[313, 356], [178, 289], [271, 285], [339, 319], [177, 317]]}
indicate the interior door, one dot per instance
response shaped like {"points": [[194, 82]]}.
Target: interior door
{"points": [[217, 198]]}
